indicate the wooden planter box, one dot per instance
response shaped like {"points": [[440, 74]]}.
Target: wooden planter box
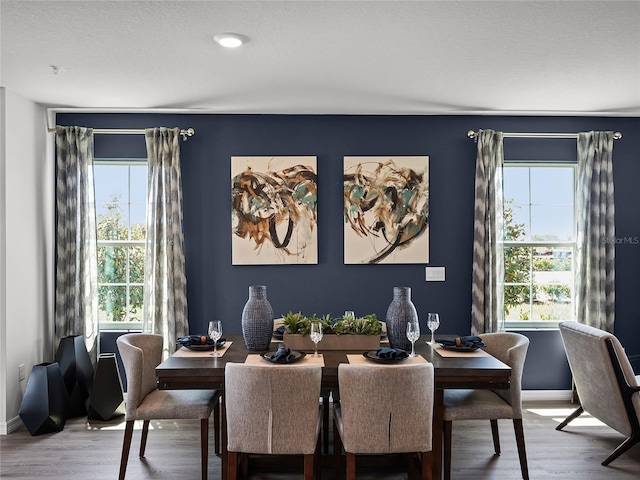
{"points": [[358, 343]]}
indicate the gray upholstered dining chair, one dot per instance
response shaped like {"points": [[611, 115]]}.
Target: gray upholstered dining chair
{"points": [[466, 404], [606, 384], [273, 409], [384, 409], [141, 353]]}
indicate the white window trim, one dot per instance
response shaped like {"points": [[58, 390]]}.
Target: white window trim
{"points": [[524, 325], [124, 326]]}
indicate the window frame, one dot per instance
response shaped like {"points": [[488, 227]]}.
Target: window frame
{"points": [[523, 325], [124, 325]]}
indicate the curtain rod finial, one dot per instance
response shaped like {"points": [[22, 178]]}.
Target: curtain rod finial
{"points": [[471, 134], [189, 132]]}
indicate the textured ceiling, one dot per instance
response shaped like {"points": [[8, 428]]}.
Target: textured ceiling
{"points": [[380, 57]]}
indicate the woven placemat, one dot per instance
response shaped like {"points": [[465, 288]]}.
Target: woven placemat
{"points": [[443, 352], [185, 352], [361, 360]]}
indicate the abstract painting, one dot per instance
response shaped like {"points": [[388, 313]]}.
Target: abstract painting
{"points": [[386, 210], [274, 210]]}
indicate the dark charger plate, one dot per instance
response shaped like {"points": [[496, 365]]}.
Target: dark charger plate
{"points": [[296, 356], [373, 356], [202, 348], [459, 349]]}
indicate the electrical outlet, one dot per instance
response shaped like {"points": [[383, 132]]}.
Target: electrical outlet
{"points": [[21, 372]]}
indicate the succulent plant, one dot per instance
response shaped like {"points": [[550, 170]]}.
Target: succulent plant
{"points": [[346, 325]]}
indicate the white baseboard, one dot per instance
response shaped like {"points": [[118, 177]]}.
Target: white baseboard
{"points": [[546, 395], [11, 426]]}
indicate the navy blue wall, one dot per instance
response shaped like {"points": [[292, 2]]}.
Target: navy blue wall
{"points": [[216, 289]]}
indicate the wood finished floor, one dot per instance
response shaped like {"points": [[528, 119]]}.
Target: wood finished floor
{"points": [[91, 451]]}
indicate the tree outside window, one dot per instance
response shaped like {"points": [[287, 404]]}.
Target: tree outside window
{"points": [[539, 244], [121, 231]]}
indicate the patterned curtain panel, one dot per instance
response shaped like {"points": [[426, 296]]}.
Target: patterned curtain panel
{"points": [[165, 284], [487, 290], [595, 258], [76, 250]]}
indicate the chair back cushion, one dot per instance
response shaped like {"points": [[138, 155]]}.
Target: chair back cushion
{"points": [[141, 353], [272, 409], [594, 376], [510, 348], [386, 409]]}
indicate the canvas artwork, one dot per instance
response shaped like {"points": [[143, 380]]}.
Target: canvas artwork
{"points": [[386, 210], [274, 210]]}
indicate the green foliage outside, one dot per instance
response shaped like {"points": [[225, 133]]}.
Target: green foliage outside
{"points": [[546, 302], [112, 266], [557, 293], [516, 264]]}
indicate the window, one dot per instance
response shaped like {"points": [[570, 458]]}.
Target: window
{"points": [[121, 192], [539, 244]]}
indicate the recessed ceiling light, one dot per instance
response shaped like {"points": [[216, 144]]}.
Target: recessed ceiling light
{"points": [[230, 40]]}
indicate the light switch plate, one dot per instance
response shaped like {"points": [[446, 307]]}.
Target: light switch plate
{"points": [[434, 274]]}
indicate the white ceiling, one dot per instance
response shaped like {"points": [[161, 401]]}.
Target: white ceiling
{"points": [[352, 57]]}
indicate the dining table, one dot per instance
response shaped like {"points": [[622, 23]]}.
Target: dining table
{"points": [[452, 370]]}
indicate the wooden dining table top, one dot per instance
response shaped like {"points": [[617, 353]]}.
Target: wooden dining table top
{"points": [[205, 372]]}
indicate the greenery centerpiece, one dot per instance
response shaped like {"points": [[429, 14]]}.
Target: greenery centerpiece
{"points": [[342, 333]]}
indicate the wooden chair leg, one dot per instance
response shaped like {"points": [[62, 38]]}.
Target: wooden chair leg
{"points": [[143, 440], [571, 417], [204, 446], [522, 452], [427, 465], [232, 473], [447, 450], [216, 428], [126, 445], [351, 466], [308, 466], [620, 449], [496, 436]]}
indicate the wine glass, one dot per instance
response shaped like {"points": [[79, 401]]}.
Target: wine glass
{"points": [[433, 322], [316, 335], [413, 334], [215, 332]]}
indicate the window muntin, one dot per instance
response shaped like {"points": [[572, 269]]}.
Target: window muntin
{"points": [[120, 191], [539, 244]]}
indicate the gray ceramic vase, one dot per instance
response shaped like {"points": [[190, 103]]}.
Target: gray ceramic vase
{"points": [[400, 311], [257, 319]]}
